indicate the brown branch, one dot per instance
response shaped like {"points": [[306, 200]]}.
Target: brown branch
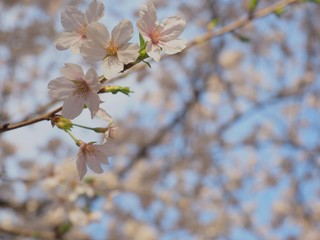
{"points": [[199, 40], [27, 232], [241, 22], [7, 127]]}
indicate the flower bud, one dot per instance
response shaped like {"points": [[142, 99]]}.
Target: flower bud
{"points": [[62, 123], [112, 131]]}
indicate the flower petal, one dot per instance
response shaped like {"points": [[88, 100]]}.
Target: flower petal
{"points": [[101, 156], [92, 79], [172, 28], [122, 32], [144, 30], [93, 163], [98, 33], [103, 149], [111, 66], [92, 101], [72, 19], [60, 88], [101, 113], [153, 51], [72, 106], [72, 71], [81, 164], [128, 53], [148, 18], [66, 40], [92, 51], [173, 46], [75, 48], [95, 11]]}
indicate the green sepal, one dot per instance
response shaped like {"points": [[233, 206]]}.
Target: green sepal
{"points": [[147, 64], [63, 123], [142, 42]]}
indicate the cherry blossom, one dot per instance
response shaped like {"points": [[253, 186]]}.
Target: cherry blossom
{"points": [[75, 24], [92, 155], [112, 131], [161, 36], [115, 51], [76, 90]]}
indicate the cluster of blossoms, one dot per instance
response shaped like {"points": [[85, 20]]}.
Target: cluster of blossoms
{"points": [[91, 39]]}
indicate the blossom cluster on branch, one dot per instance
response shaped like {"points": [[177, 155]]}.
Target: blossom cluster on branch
{"points": [[91, 39]]}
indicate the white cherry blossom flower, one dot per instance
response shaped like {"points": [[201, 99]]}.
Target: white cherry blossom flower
{"points": [[76, 90], [115, 51], [161, 36], [92, 155], [75, 24]]}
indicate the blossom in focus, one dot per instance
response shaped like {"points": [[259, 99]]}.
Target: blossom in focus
{"points": [[161, 36], [75, 24], [92, 155], [114, 50], [76, 90]]}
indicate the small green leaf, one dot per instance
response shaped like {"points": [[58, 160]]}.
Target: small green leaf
{"points": [[64, 228], [241, 37], [253, 5], [280, 11], [213, 23]]}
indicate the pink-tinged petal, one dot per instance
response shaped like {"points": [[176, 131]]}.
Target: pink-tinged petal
{"points": [[104, 151], [122, 33], [128, 53], [98, 33], [92, 79], [72, 19], [111, 66], [148, 16], [81, 164], [101, 157], [66, 40], [92, 51], [92, 101], [172, 28], [72, 106], [144, 30], [153, 51], [60, 88], [94, 163], [173, 46], [95, 11], [104, 115], [72, 71]]}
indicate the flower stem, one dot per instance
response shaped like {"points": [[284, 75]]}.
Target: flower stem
{"points": [[73, 137], [81, 126]]}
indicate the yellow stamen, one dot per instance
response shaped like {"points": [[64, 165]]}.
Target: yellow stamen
{"points": [[83, 31], [155, 36], [80, 88], [112, 49]]}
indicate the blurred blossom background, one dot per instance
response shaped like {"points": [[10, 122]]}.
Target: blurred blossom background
{"points": [[219, 142]]}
